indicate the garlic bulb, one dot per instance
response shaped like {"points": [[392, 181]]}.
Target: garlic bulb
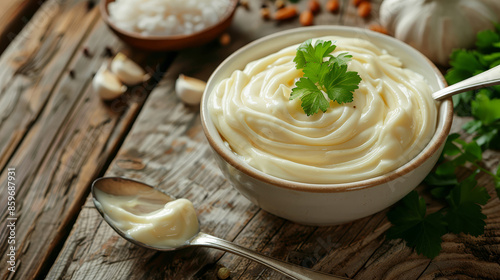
{"points": [[127, 71], [189, 90], [107, 85], [437, 27]]}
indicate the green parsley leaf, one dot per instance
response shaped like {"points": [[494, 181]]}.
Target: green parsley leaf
{"points": [[488, 137], [340, 84], [324, 75], [450, 148], [448, 167], [472, 126], [312, 98], [467, 191], [465, 64], [456, 75], [341, 59], [486, 40], [315, 72], [441, 192], [466, 218], [492, 59], [442, 180], [486, 125], [461, 151], [467, 61], [485, 109], [306, 52], [471, 151], [464, 214], [421, 231], [424, 231]]}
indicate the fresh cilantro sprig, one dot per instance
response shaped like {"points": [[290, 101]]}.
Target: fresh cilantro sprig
{"points": [[324, 76]]}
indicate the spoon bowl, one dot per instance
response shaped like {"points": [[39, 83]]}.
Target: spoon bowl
{"points": [[154, 199]]}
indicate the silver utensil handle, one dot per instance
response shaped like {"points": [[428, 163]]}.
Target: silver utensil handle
{"points": [[485, 79], [291, 270]]}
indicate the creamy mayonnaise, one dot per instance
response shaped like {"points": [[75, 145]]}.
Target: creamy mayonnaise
{"points": [[391, 119], [151, 221]]}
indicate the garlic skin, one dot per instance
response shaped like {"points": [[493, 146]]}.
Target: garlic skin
{"points": [[129, 72], [189, 89], [437, 27], [107, 85]]}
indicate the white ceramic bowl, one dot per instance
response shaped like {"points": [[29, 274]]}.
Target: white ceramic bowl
{"points": [[326, 204]]}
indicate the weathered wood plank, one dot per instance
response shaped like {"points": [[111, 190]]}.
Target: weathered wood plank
{"points": [[462, 257], [160, 151], [166, 148], [34, 63], [14, 15], [69, 137]]}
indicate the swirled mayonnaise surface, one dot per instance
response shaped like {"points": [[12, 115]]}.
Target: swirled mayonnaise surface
{"points": [[147, 219], [391, 119]]}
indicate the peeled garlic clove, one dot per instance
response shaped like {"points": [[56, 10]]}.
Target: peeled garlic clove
{"points": [[127, 71], [189, 90], [107, 85]]}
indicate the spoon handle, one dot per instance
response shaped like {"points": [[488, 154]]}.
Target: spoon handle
{"points": [[290, 270], [485, 79]]}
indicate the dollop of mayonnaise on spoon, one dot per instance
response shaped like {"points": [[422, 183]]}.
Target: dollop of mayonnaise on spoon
{"points": [[169, 225]]}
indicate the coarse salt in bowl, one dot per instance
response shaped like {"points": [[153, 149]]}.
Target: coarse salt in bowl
{"points": [[167, 24], [166, 17]]}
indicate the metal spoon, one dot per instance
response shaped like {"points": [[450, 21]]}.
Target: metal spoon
{"points": [[125, 187], [485, 79]]}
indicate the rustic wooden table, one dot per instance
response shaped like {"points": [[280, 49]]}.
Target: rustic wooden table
{"points": [[59, 136]]}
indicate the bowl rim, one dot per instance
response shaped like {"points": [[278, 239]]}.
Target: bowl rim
{"points": [[445, 110], [103, 8]]}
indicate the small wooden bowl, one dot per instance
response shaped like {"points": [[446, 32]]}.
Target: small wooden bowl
{"points": [[172, 42]]}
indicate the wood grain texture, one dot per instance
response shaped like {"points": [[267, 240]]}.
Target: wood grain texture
{"points": [[166, 148], [34, 63], [55, 129], [14, 15]]}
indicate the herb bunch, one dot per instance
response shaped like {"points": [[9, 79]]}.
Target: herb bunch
{"points": [[324, 76], [463, 199], [483, 105]]}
